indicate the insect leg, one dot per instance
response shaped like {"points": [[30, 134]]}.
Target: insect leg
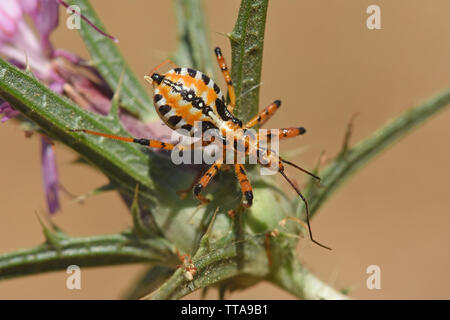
{"points": [[146, 142], [247, 193], [284, 133], [297, 190], [264, 115], [226, 74], [205, 180]]}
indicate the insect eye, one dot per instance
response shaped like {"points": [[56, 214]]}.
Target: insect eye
{"points": [[157, 78]]}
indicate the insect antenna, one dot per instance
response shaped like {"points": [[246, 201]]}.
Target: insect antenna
{"points": [[300, 168], [306, 207]]}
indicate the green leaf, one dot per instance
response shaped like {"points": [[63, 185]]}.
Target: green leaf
{"points": [[110, 63], [247, 42]]}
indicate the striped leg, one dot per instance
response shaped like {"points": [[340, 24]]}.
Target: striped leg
{"points": [[226, 75], [284, 133], [206, 179], [145, 142], [264, 115], [247, 193]]}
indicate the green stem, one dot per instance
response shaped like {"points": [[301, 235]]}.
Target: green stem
{"points": [[297, 280], [247, 42], [62, 251], [225, 260], [235, 266]]}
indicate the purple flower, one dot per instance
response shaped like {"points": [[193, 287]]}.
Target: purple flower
{"points": [[60, 70], [20, 45], [17, 38], [50, 175]]}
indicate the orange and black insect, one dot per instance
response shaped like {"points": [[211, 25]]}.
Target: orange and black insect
{"points": [[184, 96]]}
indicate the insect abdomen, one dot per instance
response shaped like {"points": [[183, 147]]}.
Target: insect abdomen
{"points": [[185, 96]]}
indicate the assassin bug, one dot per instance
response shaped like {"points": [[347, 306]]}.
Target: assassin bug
{"points": [[183, 96]]}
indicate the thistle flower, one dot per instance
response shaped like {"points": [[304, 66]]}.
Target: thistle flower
{"points": [[57, 68], [20, 46], [18, 42], [64, 73]]}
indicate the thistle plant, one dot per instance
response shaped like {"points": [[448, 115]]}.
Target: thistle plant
{"points": [[51, 91]]}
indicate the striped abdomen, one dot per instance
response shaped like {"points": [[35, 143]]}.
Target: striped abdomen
{"points": [[183, 96]]}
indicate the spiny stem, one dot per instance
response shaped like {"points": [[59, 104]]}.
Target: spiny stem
{"points": [[247, 43], [352, 159], [114, 249]]}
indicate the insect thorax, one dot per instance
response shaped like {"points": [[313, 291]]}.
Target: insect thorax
{"points": [[185, 96]]}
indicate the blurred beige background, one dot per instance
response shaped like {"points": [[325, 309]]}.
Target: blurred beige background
{"points": [[325, 65]]}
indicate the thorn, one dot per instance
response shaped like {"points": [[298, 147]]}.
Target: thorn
{"points": [[211, 223], [114, 111], [97, 191], [51, 237], [348, 133], [139, 226], [27, 63], [226, 35], [282, 222]]}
